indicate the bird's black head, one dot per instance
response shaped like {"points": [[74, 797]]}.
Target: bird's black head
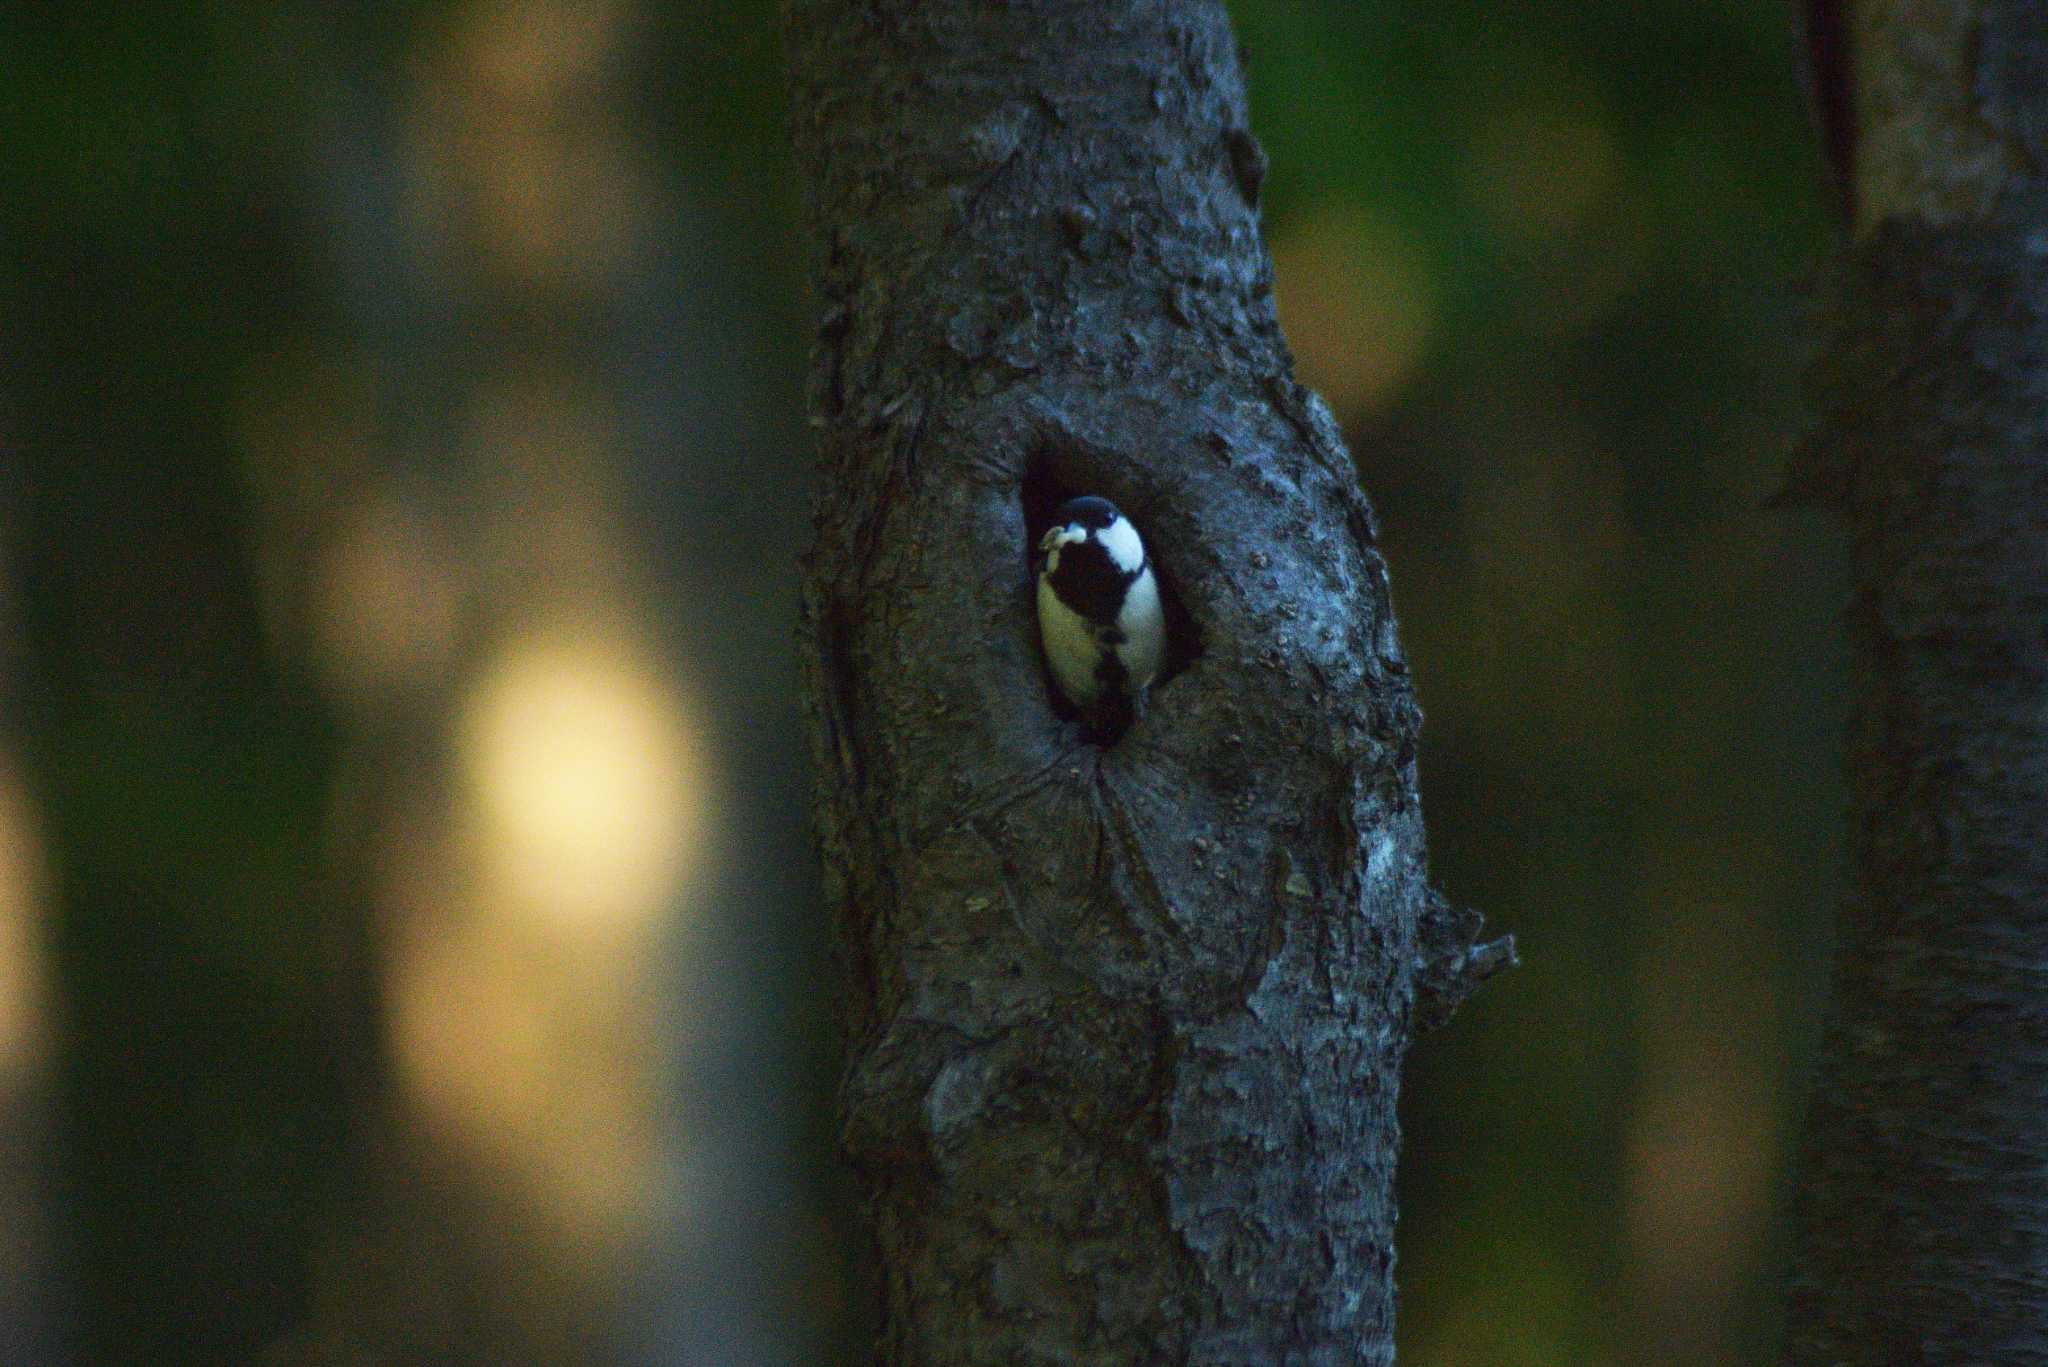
{"points": [[1081, 521], [1087, 511], [1091, 556]]}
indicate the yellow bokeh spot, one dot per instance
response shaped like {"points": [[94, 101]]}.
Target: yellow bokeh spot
{"points": [[516, 142], [1358, 302], [525, 959], [539, 1062], [21, 966], [1699, 1170], [582, 778]]}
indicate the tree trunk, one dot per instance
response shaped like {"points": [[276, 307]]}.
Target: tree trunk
{"points": [[1125, 1025], [1923, 1214]]}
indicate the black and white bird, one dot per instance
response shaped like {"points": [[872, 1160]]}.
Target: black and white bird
{"points": [[1099, 613]]}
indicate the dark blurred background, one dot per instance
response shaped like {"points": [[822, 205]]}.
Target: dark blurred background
{"points": [[408, 943]]}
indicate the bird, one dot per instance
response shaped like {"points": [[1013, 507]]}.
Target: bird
{"points": [[1099, 614]]}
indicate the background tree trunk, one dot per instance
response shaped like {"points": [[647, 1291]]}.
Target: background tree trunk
{"points": [[1924, 1199], [1125, 1025]]}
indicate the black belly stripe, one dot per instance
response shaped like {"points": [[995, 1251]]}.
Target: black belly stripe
{"points": [[1111, 675]]}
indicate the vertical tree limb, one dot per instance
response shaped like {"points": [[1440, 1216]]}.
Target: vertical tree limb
{"points": [[1126, 1025], [1924, 1201]]}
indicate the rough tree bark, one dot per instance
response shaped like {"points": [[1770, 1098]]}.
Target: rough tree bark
{"points": [[1125, 1025], [1923, 1210]]}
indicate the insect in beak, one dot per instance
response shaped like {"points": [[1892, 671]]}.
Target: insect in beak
{"points": [[1063, 535]]}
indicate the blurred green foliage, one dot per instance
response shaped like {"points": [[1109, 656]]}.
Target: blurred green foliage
{"points": [[201, 1092]]}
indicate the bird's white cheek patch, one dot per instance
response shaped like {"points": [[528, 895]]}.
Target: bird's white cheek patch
{"points": [[1120, 539]]}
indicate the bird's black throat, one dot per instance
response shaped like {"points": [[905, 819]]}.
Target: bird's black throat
{"points": [[1089, 581]]}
